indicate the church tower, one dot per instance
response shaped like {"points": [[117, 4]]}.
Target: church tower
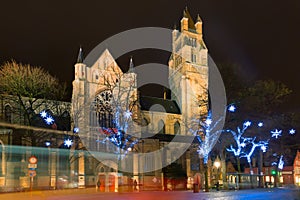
{"points": [[79, 90], [188, 73]]}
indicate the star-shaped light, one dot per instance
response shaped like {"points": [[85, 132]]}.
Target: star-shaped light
{"points": [[127, 114], [260, 124], [247, 123], [208, 121], [68, 142], [243, 144], [231, 108], [49, 120], [43, 114], [276, 133], [263, 148], [292, 131]]}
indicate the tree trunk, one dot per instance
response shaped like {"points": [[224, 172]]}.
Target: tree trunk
{"points": [[260, 166], [239, 168], [206, 177]]}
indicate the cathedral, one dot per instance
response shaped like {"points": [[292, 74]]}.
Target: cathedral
{"points": [[102, 90], [118, 138]]}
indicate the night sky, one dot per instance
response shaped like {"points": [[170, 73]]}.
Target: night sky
{"points": [[260, 35]]}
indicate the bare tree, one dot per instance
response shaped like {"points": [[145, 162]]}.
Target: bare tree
{"points": [[27, 89]]}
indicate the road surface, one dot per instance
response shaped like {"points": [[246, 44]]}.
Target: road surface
{"points": [[92, 194]]}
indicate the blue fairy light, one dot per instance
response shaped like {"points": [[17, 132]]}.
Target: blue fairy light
{"points": [[263, 148], [208, 121], [260, 124], [247, 123]]}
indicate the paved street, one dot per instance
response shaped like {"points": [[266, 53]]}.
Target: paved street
{"points": [[91, 194]]}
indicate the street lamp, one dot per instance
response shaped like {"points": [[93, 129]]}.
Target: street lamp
{"points": [[217, 164]]}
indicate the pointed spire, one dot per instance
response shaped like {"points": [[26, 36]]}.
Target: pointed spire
{"points": [[131, 65], [186, 14], [198, 18], [80, 56]]}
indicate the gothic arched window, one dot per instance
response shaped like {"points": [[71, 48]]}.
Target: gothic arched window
{"points": [[104, 110], [8, 114], [161, 127], [177, 128]]}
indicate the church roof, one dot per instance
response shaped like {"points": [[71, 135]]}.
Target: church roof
{"points": [[186, 14], [170, 106]]}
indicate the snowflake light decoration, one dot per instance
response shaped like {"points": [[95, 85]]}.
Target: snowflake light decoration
{"points": [[231, 108], [276, 133], [68, 142], [43, 114], [49, 120], [292, 131], [47, 117]]}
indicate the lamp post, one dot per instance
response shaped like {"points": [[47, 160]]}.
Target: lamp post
{"points": [[217, 164]]}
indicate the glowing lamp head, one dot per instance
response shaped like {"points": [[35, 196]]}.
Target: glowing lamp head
{"points": [[260, 124], [217, 164]]}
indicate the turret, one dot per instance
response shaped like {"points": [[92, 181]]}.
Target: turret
{"points": [[198, 25], [80, 67]]}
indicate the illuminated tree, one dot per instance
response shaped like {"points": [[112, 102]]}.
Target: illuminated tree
{"points": [[123, 105]]}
